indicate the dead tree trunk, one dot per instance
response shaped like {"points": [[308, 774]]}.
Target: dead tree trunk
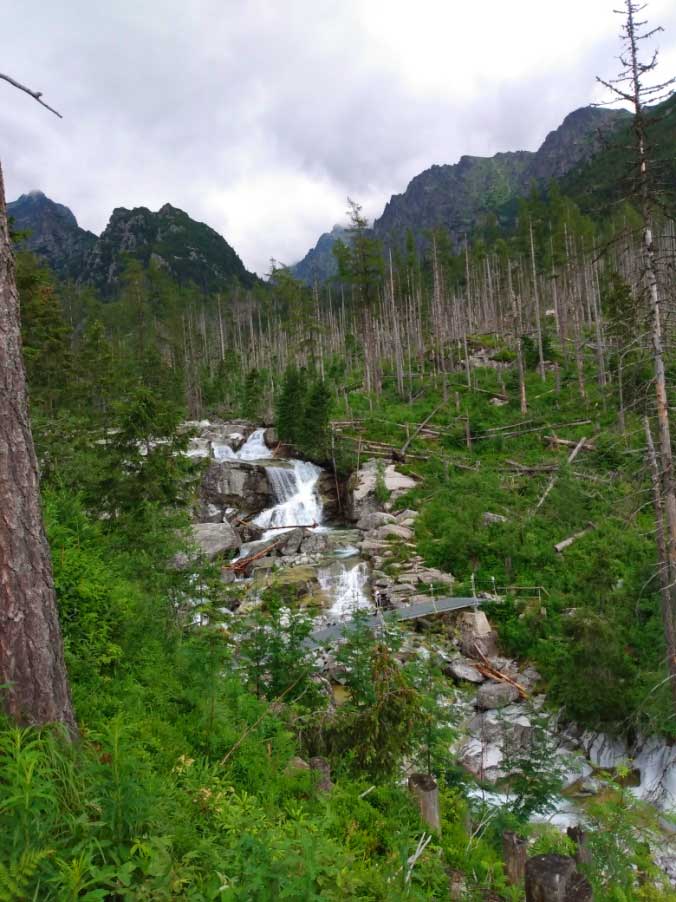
{"points": [[666, 586], [515, 853], [424, 788], [32, 667]]}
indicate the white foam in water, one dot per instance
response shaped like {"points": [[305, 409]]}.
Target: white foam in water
{"points": [[223, 452], [346, 583], [295, 490], [254, 448]]}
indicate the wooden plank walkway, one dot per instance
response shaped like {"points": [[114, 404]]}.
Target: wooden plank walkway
{"points": [[379, 618]]}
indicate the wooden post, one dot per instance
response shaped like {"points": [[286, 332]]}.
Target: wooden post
{"points": [[424, 788], [515, 852]]}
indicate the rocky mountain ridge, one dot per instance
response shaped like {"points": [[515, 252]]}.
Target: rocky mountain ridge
{"points": [[459, 196], [189, 251]]}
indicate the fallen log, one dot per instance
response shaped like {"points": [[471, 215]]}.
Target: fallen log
{"points": [[552, 482], [534, 429], [240, 565], [567, 443], [420, 427], [566, 543], [487, 669]]}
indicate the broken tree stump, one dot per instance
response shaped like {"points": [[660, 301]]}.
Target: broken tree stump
{"points": [[426, 792], [515, 853], [555, 878], [582, 852], [323, 768]]}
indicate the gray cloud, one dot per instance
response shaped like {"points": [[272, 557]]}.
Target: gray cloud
{"points": [[260, 117]]}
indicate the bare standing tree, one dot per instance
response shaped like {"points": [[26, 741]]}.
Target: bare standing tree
{"points": [[33, 682], [632, 85]]}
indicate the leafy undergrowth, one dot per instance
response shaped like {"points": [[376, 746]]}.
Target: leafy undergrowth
{"points": [[588, 617]]}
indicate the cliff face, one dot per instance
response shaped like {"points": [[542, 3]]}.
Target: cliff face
{"points": [[458, 196], [53, 233], [319, 264], [190, 251]]}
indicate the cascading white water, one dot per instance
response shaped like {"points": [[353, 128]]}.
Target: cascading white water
{"points": [[297, 503], [254, 448], [223, 452], [295, 491], [346, 584]]}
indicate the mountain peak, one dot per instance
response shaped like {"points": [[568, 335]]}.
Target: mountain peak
{"points": [[189, 251], [53, 233]]}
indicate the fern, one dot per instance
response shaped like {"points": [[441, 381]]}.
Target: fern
{"points": [[16, 877]]}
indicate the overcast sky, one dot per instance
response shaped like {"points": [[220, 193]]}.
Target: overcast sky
{"points": [[259, 117]]}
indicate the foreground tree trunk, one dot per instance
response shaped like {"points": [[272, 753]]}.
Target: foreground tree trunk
{"points": [[33, 683]]}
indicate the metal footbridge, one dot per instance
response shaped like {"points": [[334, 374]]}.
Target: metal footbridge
{"points": [[380, 618]]}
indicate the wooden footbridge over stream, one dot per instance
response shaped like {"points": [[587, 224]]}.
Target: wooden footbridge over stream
{"points": [[380, 618]]}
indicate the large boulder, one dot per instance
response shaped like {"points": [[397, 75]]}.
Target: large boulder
{"points": [[394, 531], [374, 520], [463, 671], [555, 878], [271, 437], [476, 635], [236, 483], [331, 492], [215, 539], [363, 484], [496, 695]]}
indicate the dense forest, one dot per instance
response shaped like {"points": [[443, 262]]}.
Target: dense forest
{"points": [[522, 377]]}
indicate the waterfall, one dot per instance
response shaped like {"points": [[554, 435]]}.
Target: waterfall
{"points": [[254, 448], [295, 491], [346, 583], [223, 452]]}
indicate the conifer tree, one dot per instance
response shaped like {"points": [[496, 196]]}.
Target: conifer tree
{"points": [[32, 668], [290, 406]]}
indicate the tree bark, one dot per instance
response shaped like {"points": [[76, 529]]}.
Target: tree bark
{"points": [[424, 788], [32, 669], [515, 853]]}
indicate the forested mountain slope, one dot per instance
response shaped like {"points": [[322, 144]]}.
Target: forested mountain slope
{"points": [[190, 252], [459, 197]]}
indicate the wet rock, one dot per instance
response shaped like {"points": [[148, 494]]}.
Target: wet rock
{"points": [[315, 543], [215, 539], [589, 787], [199, 447], [290, 542], [463, 671], [238, 484], [209, 513], [271, 437], [249, 531], [496, 695]]}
